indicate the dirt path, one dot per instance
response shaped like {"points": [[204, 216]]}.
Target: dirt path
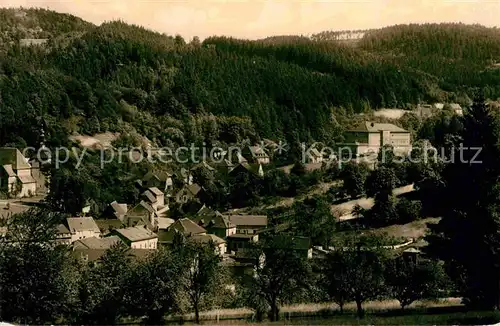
{"points": [[345, 209]]}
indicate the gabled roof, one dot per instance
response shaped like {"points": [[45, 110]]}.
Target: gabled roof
{"points": [[76, 224], [136, 233], [253, 168], [140, 209], [455, 106], [215, 220], [12, 156], [250, 220], [96, 243], [368, 126], [187, 227]]}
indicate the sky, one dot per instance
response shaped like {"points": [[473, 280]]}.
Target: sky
{"points": [[255, 19]]}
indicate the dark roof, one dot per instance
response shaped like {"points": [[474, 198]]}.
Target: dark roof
{"points": [[215, 220], [108, 224], [193, 188], [150, 196], [253, 168], [248, 220], [96, 243], [187, 227]]}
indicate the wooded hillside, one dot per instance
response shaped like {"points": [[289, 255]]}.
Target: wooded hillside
{"points": [[119, 77]]}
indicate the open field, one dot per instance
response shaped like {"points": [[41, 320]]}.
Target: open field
{"points": [[345, 209], [443, 312]]}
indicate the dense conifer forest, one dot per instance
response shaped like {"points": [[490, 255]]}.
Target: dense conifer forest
{"points": [[117, 77]]}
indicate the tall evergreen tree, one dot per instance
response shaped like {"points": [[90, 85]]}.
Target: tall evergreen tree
{"points": [[468, 237]]}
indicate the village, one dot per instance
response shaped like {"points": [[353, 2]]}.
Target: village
{"points": [[145, 226]]}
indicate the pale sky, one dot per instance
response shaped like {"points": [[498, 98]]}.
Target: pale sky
{"points": [[260, 18]]}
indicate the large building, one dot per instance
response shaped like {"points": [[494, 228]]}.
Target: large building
{"points": [[369, 137]]}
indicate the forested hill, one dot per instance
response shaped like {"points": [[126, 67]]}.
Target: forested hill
{"points": [[123, 78]]}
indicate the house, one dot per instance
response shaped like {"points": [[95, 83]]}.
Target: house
{"points": [[216, 223], [457, 108], [96, 243], [137, 237], [15, 173], [412, 255], [254, 170], [256, 154], [184, 227], [187, 193], [142, 213], [301, 245], [220, 244], [82, 227], [438, 106], [63, 235], [369, 137], [241, 241], [156, 199], [160, 180], [249, 224]]}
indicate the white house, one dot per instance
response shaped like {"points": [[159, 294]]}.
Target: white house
{"points": [[137, 237], [82, 228]]}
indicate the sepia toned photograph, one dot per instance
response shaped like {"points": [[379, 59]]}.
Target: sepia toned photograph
{"points": [[249, 162]]}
